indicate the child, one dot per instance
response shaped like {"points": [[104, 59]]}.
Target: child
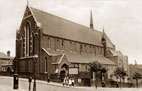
{"points": [[72, 82], [64, 81]]}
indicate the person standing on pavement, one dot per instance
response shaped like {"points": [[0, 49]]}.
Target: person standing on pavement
{"points": [[30, 80], [48, 78], [67, 81], [103, 81], [64, 81], [72, 80]]}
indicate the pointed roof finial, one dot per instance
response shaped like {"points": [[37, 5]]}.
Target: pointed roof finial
{"points": [[135, 62], [28, 2], [91, 20], [103, 30]]}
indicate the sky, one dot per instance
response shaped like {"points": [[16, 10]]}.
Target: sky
{"points": [[121, 19]]}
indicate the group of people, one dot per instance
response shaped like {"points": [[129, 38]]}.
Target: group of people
{"points": [[68, 81]]}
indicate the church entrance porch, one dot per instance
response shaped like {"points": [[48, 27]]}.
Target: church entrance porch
{"points": [[64, 71]]}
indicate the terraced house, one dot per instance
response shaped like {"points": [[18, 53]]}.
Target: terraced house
{"points": [[63, 47], [4, 59]]}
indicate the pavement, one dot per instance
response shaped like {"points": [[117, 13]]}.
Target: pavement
{"points": [[6, 84]]}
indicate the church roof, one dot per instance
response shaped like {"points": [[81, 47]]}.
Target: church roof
{"points": [[115, 53], [59, 27], [78, 58], [87, 58]]}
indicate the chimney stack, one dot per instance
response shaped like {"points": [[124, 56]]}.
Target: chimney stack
{"points": [[8, 53]]}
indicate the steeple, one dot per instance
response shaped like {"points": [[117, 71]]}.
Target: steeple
{"points": [[27, 2], [91, 20]]}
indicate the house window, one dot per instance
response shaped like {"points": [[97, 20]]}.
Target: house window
{"points": [[45, 63]]}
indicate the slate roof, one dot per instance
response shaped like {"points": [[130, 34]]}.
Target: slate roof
{"points": [[11, 61], [52, 52], [139, 66], [3, 56], [87, 58], [79, 58], [59, 27], [115, 53]]}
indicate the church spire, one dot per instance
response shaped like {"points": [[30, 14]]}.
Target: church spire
{"points": [[91, 20], [103, 33]]}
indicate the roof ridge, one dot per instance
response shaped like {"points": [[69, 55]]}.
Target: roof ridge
{"points": [[66, 19], [91, 34]]}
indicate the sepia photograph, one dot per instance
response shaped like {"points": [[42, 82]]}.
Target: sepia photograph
{"points": [[70, 45]]}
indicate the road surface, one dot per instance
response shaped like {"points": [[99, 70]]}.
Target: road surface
{"points": [[6, 84]]}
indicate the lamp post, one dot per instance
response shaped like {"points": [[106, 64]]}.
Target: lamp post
{"points": [[15, 77], [35, 57]]}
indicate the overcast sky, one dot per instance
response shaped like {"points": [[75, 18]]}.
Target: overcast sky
{"points": [[122, 20]]}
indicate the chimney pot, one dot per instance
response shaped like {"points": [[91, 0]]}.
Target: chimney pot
{"points": [[8, 53]]}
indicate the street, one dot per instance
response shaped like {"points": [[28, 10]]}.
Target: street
{"points": [[6, 84]]}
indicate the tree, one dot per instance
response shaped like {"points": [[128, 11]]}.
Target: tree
{"points": [[137, 76], [103, 70], [95, 67], [120, 73]]}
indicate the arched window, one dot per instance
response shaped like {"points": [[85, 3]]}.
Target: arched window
{"points": [[75, 49], [85, 51], [63, 46], [27, 38], [81, 48], [49, 42], [58, 44], [94, 48], [71, 46], [31, 44], [45, 63], [23, 47]]}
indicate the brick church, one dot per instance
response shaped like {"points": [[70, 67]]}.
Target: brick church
{"points": [[63, 47]]}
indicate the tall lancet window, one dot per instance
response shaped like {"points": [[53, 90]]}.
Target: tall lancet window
{"points": [[27, 38], [23, 47], [49, 43], [45, 63], [31, 44]]}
